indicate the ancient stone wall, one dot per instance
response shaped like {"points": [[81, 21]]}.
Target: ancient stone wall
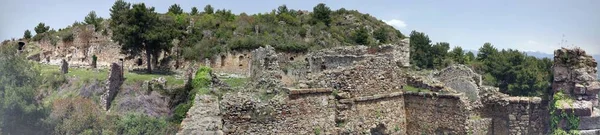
{"points": [[305, 111], [432, 113], [377, 114], [113, 84], [480, 126], [518, 115], [236, 62]]}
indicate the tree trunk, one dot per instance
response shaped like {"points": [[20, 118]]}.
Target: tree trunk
{"points": [[149, 61]]}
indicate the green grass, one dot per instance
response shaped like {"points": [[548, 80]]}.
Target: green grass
{"points": [[235, 82], [86, 74], [415, 89]]}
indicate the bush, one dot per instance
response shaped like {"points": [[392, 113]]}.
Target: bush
{"points": [[138, 124], [244, 43], [202, 78], [67, 37], [292, 47], [361, 36], [181, 111]]}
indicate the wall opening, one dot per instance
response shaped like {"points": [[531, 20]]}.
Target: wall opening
{"points": [[223, 60], [21, 46], [291, 58], [139, 61], [240, 59]]}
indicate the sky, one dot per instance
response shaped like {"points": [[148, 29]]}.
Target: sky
{"points": [[527, 25]]}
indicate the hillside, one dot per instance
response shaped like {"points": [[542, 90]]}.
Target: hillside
{"points": [[163, 98]]}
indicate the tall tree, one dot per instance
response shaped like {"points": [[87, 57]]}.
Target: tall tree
{"points": [[486, 51], [208, 9], [419, 50], [321, 13], [282, 10], [41, 28], [118, 12], [27, 34], [458, 55], [194, 11], [141, 30], [469, 57], [93, 19], [175, 9], [439, 53]]}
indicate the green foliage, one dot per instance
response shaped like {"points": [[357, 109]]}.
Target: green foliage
{"points": [[439, 54], [181, 111], [175, 9], [420, 50], [202, 78], [317, 131], [41, 28], [141, 30], [381, 34], [414, 89], [556, 117], [93, 19], [321, 13], [208, 9], [138, 124], [118, 13], [19, 80], [194, 11], [361, 36], [67, 37], [27, 34], [458, 55]]}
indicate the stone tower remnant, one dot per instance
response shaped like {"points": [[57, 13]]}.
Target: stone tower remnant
{"points": [[114, 82]]}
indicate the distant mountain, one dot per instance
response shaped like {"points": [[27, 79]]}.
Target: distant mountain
{"points": [[540, 55]]}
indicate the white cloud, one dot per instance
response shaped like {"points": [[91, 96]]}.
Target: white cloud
{"points": [[398, 24]]}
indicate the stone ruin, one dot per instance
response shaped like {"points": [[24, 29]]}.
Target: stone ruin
{"points": [[64, 67], [362, 90], [575, 76], [113, 84]]}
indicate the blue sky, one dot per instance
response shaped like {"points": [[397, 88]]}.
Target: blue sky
{"points": [[529, 25]]}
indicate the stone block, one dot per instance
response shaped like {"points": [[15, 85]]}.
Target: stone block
{"points": [[593, 88], [589, 122], [579, 89], [589, 132], [578, 108], [561, 73]]}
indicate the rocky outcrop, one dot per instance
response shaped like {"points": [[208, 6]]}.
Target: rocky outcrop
{"points": [[575, 76], [113, 84]]}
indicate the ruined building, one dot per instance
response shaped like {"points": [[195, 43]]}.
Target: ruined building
{"points": [[364, 90]]}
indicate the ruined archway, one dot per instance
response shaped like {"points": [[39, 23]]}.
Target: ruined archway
{"points": [[21, 46]]}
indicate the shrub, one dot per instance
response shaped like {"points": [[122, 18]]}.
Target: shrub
{"points": [[138, 124], [67, 37], [202, 78]]}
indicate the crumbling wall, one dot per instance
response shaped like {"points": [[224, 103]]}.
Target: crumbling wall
{"points": [[436, 113], [348, 55], [366, 78], [237, 62], [377, 114], [113, 84], [305, 111]]}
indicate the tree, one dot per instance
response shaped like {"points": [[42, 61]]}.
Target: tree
{"points": [[175, 9], [93, 19], [118, 13], [419, 50], [469, 57], [27, 34], [458, 55], [381, 34], [141, 30], [282, 10], [194, 11], [486, 51], [41, 28], [321, 13], [209, 9], [20, 113], [361, 36], [439, 53]]}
